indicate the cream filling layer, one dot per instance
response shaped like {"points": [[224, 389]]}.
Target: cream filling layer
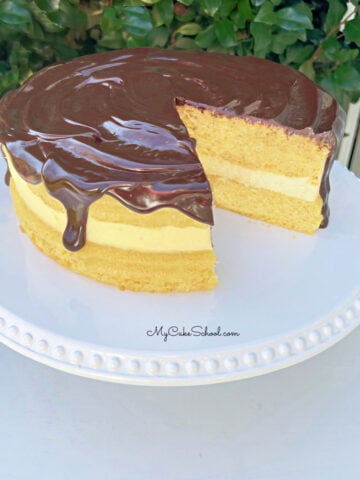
{"points": [[166, 239], [303, 188]]}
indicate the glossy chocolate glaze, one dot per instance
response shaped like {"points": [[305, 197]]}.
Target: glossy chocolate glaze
{"points": [[108, 124], [7, 177]]}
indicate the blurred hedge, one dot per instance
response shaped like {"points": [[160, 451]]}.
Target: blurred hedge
{"points": [[312, 35]]}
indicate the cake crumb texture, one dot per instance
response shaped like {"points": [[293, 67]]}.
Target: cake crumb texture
{"points": [[225, 145], [274, 208], [125, 269]]}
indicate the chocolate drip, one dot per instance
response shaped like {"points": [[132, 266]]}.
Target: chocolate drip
{"points": [[108, 124], [75, 233], [77, 209], [7, 176], [325, 192]]}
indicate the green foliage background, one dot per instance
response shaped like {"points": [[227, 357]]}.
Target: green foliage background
{"points": [[312, 35]]}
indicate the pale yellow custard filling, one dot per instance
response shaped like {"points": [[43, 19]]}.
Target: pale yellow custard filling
{"points": [[120, 235], [303, 188]]}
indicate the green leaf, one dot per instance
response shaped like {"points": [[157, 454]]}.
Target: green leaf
{"points": [[257, 3], [346, 55], [189, 29], [35, 31], [282, 40], [74, 17], [315, 36], [9, 80], [61, 47], [335, 52], [136, 20], [42, 18], [307, 68], [224, 31], [354, 96], [18, 56], [244, 13], [186, 2], [211, 6], [207, 37], [68, 16], [352, 31], [266, 14], [120, 4], [14, 13], [331, 49], [330, 84], [4, 67], [301, 34], [185, 43], [216, 47], [298, 53], [48, 5], [163, 13], [135, 42], [110, 21], [150, 2], [159, 37], [295, 18], [347, 77], [262, 39], [113, 40], [187, 16], [227, 6], [337, 10], [245, 47]]}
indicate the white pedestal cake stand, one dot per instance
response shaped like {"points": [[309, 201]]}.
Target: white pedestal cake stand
{"points": [[283, 297]]}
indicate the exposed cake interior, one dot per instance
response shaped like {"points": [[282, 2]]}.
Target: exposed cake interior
{"points": [[260, 170]]}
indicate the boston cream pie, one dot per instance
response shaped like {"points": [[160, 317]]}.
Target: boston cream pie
{"points": [[115, 158]]}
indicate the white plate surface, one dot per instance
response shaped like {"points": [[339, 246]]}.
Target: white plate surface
{"points": [[289, 296]]}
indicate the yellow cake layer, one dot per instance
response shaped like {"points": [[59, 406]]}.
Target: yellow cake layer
{"points": [[126, 269], [107, 222], [271, 207], [260, 170], [254, 145], [303, 188]]}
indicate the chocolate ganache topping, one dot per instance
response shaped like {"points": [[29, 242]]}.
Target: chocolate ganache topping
{"points": [[107, 124]]}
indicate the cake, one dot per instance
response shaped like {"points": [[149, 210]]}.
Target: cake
{"points": [[115, 159]]}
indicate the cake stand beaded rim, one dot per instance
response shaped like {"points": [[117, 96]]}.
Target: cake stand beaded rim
{"points": [[181, 368]]}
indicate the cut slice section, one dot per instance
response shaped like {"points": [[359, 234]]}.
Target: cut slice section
{"points": [[260, 170]]}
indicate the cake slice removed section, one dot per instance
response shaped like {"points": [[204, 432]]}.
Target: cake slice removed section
{"points": [[261, 170]]}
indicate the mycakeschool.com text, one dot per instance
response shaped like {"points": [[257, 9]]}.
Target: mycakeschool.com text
{"points": [[194, 331]]}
